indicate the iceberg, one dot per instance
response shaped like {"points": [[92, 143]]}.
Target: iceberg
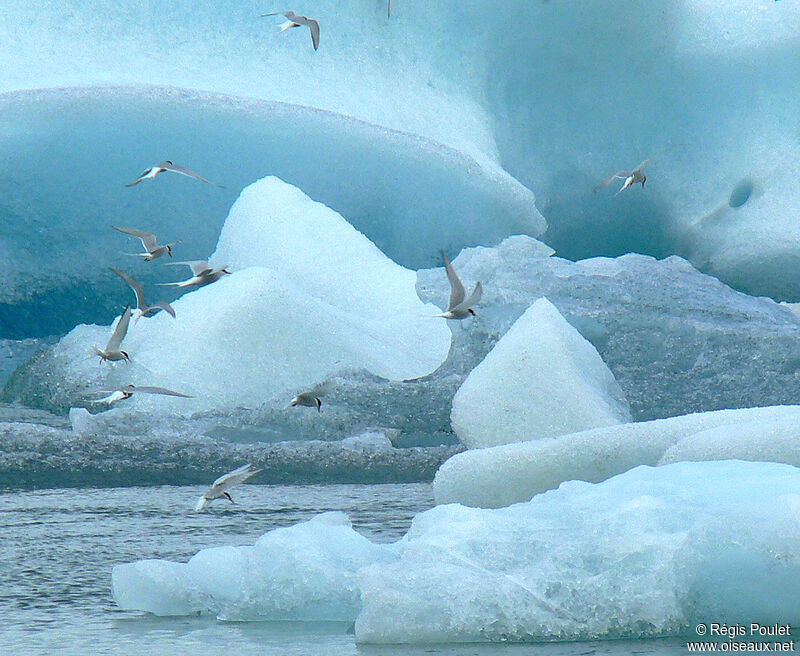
{"points": [[651, 552], [506, 474], [336, 304], [677, 341], [304, 572], [387, 183], [540, 380], [591, 116]]}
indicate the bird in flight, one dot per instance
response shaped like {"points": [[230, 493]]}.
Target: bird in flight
{"points": [[630, 178], [167, 165], [142, 308], [153, 250], [307, 399], [204, 274], [293, 20], [112, 352], [459, 306], [224, 483], [127, 391]]}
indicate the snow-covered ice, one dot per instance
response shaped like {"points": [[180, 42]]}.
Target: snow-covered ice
{"points": [[541, 379], [502, 475]]}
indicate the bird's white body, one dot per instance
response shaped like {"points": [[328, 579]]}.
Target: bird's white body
{"points": [[113, 397], [459, 307], [287, 25], [308, 400], [111, 356]]}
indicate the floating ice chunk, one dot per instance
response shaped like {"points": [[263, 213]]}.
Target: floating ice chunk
{"points": [[304, 572], [642, 554], [371, 440], [506, 474], [157, 586], [541, 379], [337, 303], [768, 441]]}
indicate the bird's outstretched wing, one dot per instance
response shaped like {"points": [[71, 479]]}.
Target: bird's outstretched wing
{"points": [[457, 291], [164, 306], [161, 390], [198, 267], [182, 170], [140, 178], [134, 285], [619, 175], [473, 299], [149, 240], [314, 27], [120, 331], [234, 478]]}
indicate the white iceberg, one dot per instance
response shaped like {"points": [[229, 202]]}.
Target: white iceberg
{"points": [[336, 304], [648, 553], [510, 473], [301, 572], [540, 380]]}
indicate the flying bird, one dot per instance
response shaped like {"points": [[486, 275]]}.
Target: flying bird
{"points": [[224, 483], [459, 307], [127, 391], [630, 178], [204, 274], [142, 308], [293, 20], [167, 165], [112, 351], [150, 242], [307, 399]]}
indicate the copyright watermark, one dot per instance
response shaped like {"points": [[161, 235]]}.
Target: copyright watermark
{"points": [[753, 638]]}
